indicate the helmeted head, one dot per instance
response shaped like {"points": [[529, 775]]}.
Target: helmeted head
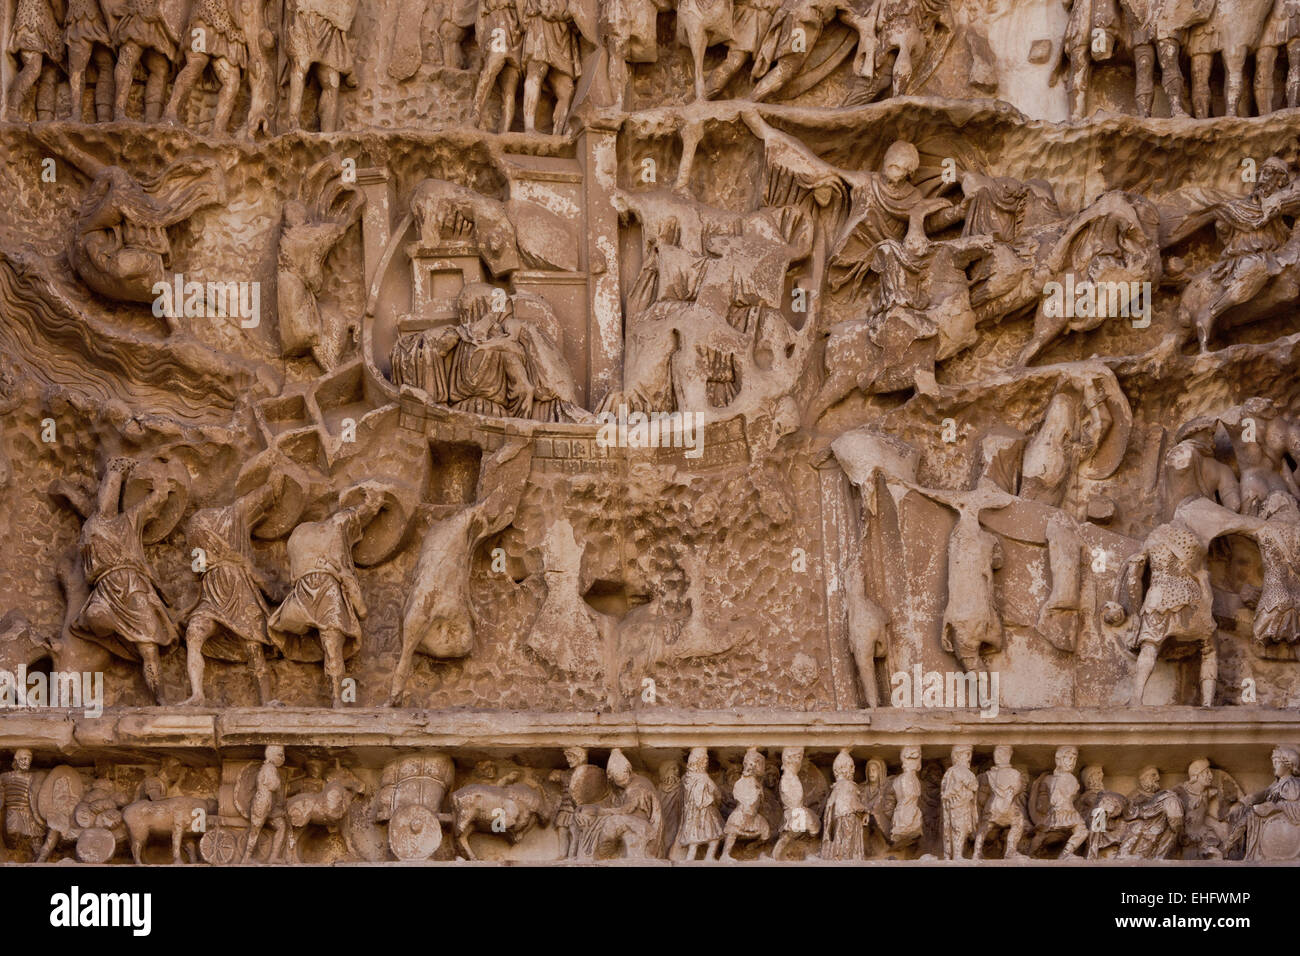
{"points": [[843, 765], [961, 754], [22, 759], [275, 755], [698, 760], [1067, 758], [575, 756], [754, 764], [1200, 772], [618, 768]]}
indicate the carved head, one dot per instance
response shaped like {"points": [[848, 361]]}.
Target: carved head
{"points": [[901, 162], [1002, 755], [754, 764], [876, 770], [295, 213], [1149, 779], [1093, 776], [23, 759], [1286, 761], [911, 757], [1199, 771], [670, 773], [275, 755], [1273, 175], [618, 769], [1067, 758], [575, 756], [791, 759], [843, 765], [961, 754], [698, 760]]}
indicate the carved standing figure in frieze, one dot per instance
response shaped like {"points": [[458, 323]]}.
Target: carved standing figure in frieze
{"points": [[746, 821], [85, 34], [216, 40], [317, 37], [1053, 798], [37, 40], [844, 819], [501, 37], [143, 32], [701, 824], [958, 793], [1002, 791]]}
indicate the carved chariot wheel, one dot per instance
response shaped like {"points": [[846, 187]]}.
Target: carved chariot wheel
{"points": [[222, 846], [96, 845], [414, 833]]}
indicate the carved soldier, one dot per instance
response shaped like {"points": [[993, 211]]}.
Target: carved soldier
{"points": [[317, 36], [750, 20], [1060, 787], [573, 781], [124, 611], [1103, 810], [1281, 31], [229, 620], [216, 40], [843, 820], [1262, 441], [894, 30], [85, 34], [268, 805], [798, 820], [796, 27], [701, 823], [746, 821], [1004, 806], [143, 32], [1191, 469], [18, 802], [37, 40], [671, 799], [633, 820], [501, 38], [907, 824], [1205, 812], [958, 797], [325, 598], [1154, 819], [551, 53], [1090, 34], [1276, 808]]}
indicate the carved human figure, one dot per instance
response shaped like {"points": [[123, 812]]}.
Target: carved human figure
{"points": [[325, 598], [1091, 33], [1275, 808], [1191, 469], [20, 824], [501, 37], [124, 611], [268, 806], [795, 29], [798, 821], [143, 32], [701, 824], [878, 802], [1281, 32], [1154, 819], [1253, 231], [746, 821], [671, 799], [843, 820], [1103, 810], [749, 22], [971, 621], [700, 25], [1262, 441], [893, 37], [85, 34], [550, 53], [37, 40], [908, 823], [1004, 806], [1061, 786], [1177, 606], [317, 37], [229, 620], [634, 819], [1205, 812], [216, 41], [309, 234], [958, 792], [565, 825]]}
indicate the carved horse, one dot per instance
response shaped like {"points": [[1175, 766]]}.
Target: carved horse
{"points": [[701, 24]]}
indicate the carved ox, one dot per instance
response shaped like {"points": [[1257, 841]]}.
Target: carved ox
{"points": [[176, 816], [326, 807], [511, 810]]}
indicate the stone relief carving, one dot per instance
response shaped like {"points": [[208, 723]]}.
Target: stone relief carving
{"points": [[866, 368]]}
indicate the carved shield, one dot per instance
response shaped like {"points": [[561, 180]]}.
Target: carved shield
{"points": [[174, 478], [414, 832], [96, 845], [387, 530], [60, 792]]}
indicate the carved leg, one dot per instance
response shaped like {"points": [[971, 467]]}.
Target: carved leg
{"points": [[297, 85], [1014, 834], [691, 134], [451, 37], [727, 847], [195, 63], [563, 85], [1077, 836], [725, 70], [1234, 64], [103, 85], [332, 643], [509, 92], [492, 68], [781, 74], [910, 50], [402, 672], [46, 91], [257, 659], [1146, 663], [329, 98], [155, 85], [229, 75], [24, 81], [127, 58], [152, 669], [1144, 67], [1293, 74], [78, 60], [1265, 63], [711, 852], [197, 632], [1171, 76], [533, 76], [1209, 671], [697, 56], [1201, 64]]}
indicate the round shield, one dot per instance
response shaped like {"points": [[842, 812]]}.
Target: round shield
{"points": [[414, 832], [96, 845], [1039, 799], [58, 797], [33, 794], [289, 504], [387, 530], [1279, 839], [221, 846], [170, 475], [588, 785], [245, 787]]}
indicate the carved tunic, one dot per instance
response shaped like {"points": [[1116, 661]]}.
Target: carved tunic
{"points": [[144, 25], [318, 34], [548, 38], [1277, 618], [750, 20], [747, 821], [19, 820], [1281, 800], [958, 795], [223, 40], [503, 16], [36, 30], [907, 820], [1062, 814], [971, 619], [843, 838], [325, 592], [84, 23], [701, 819], [228, 593], [122, 596], [1179, 603]]}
